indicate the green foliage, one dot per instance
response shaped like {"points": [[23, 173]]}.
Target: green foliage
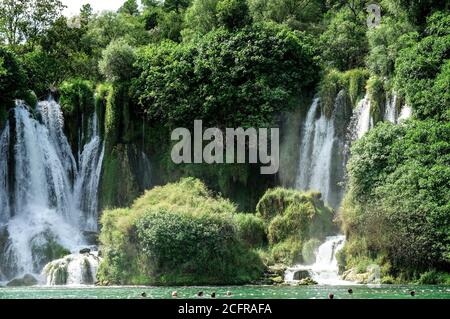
{"points": [[174, 235], [297, 14], [292, 219], [77, 96], [352, 81], [251, 229], [234, 79], [344, 43], [22, 20], [110, 26], [117, 61], [434, 277], [398, 194], [201, 17], [423, 70], [130, 7], [377, 97], [12, 79], [385, 43], [233, 14]]}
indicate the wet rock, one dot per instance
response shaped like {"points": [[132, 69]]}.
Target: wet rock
{"points": [[85, 251], [25, 281], [301, 274], [278, 280], [354, 276], [91, 237], [277, 269], [307, 282]]}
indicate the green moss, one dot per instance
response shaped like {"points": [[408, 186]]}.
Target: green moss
{"points": [[77, 104], [102, 94], [377, 97], [119, 186], [352, 81], [293, 218], [77, 96]]}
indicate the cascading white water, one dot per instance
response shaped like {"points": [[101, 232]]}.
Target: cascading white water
{"points": [[76, 269], [40, 207], [361, 121], [325, 269], [390, 113], [405, 114], [86, 184], [316, 153]]}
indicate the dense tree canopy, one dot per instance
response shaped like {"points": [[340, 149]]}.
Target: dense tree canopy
{"points": [[238, 78]]}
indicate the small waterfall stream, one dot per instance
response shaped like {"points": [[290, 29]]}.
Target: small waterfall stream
{"points": [[46, 199], [325, 269]]}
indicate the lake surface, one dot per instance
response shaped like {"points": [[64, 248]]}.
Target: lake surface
{"points": [[238, 292]]}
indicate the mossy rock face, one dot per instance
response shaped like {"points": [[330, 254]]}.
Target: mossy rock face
{"points": [[7, 268], [45, 248], [292, 218], [119, 185], [307, 282], [302, 274], [25, 281]]}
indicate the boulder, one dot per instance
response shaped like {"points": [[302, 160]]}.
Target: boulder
{"points": [[85, 251], [301, 274], [278, 280], [307, 282], [354, 276], [277, 269], [25, 281]]}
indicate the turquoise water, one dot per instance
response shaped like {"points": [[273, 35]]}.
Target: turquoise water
{"points": [[238, 292]]}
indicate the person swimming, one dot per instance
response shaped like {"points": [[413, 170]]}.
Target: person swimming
{"points": [[213, 295], [200, 294], [330, 296]]}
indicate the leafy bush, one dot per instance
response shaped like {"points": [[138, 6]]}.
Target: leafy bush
{"points": [[398, 195], [117, 61], [77, 96], [344, 43], [12, 79], [176, 234], [233, 14], [422, 72], [251, 229]]}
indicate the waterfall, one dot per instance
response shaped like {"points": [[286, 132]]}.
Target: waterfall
{"points": [[320, 166], [361, 121], [45, 200], [75, 269], [390, 113], [405, 114], [86, 184], [325, 269]]}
